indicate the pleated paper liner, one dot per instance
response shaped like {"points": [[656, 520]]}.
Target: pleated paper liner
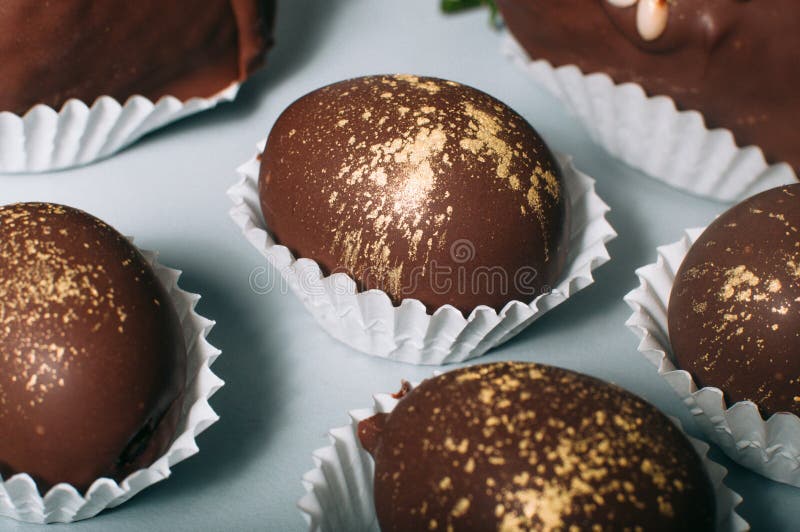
{"points": [[367, 321], [19, 497], [771, 446], [651, 135], [45, 139], [339, 490]]}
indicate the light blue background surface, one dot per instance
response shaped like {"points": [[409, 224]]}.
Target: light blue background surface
{"points": [[287, 382]]}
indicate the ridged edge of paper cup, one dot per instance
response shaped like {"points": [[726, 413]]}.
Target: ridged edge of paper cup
{"points": [[45, 139], [339, 490], [367, 321], [19, 497], [769, 447], [650, 134]]}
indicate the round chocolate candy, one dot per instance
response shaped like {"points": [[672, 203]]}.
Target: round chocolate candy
{"points": [[734, 310], [420, 187], [522, 446], [92, 356]]}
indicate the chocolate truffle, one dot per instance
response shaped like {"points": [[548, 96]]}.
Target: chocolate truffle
{"points": [[735, 61], [85, 49], [521, 446], [420, 187], [92, 356], [734, 310]]}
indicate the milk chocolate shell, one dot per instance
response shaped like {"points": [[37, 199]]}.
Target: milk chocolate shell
{"points": [[420, 187], [521, 446], [734, 310], [85, 49], [92, 357], [735, 61]]}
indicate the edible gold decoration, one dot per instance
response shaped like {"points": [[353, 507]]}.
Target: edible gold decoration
{"points": [[539, 448], [405, 143], [44, 286], [735, 305]]}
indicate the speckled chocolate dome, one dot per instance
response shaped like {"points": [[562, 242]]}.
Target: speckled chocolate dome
{"points": [[521, 446], [734, 310], [92, 356], [421, 187]]}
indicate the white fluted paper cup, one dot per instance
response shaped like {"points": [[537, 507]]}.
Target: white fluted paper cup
{"points": [[19, 497], [369, 322], [771, 446], [651, 135], [45, 139], [339, 490]]}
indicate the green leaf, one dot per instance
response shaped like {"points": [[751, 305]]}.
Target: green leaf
{"points": [[451, 6]]}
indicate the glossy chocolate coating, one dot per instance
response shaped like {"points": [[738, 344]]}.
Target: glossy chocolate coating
{"points": [[86, 48], [420, 187], [92, 356], [734, 61], [521, 446], [734, 310]]}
